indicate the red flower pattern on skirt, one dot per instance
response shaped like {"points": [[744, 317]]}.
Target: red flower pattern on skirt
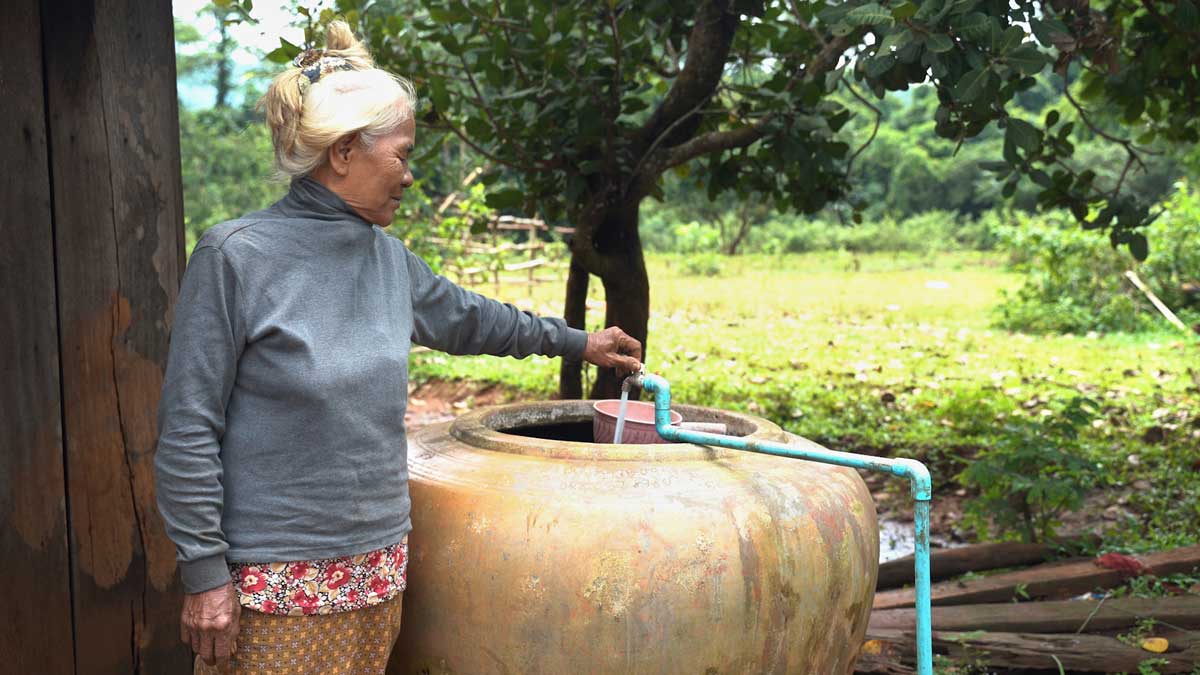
{"points": [[323, 586]]}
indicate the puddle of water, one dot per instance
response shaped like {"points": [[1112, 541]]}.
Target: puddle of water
{"points": [[896, 539]]}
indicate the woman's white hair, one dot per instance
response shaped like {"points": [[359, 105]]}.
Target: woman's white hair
{"points": [[306, 118]]}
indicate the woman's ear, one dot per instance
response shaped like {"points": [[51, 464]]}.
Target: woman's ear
{"points": [[341, 152]]}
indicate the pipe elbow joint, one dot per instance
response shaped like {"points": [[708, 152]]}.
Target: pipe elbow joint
{"points": [[918, 475]]}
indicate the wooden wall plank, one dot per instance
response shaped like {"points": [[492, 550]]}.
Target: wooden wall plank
{"points": [[114, 136], [33, 520]]}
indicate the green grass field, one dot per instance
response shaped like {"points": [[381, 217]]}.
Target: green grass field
{"points": [[896, 355]]}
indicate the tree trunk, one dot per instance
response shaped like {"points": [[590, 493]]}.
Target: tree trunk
{"points": [[744, 222], [570, 377], [627, 299], [607, 244], [224, 58]]}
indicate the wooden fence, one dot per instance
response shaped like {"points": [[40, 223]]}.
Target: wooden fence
{"points": [[493, 251], [497, 253]]}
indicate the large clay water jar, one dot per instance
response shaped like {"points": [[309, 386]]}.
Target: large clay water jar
{"points": [[535, 550]]}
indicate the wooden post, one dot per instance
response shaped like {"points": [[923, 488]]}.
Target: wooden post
{"points": [[36, 637], [92, 213], [532, 229]]}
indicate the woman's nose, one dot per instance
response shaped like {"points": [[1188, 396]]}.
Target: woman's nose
{"points": [[408, 178]]}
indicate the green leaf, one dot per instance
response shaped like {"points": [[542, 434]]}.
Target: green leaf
{"points": [[505, 199], [905, 11], [939, 43], [1012, 37], [870, 14], [929, 8], [971, 85], [479, 128], [538, 27], [1027, 59], [1023, 135], [1185, 15], [878, 65], [439, 95], [1052, 118], [1010, 152], [1047, 30], [441, 14], [279, 55], [975, 26], [1138, 246], [841, 29], [894, 40]]}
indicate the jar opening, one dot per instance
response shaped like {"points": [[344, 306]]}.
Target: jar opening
{"points": [[563, 429]]}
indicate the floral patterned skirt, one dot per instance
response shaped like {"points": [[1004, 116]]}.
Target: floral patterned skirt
{"points": [[342, 643], [326, 586]]}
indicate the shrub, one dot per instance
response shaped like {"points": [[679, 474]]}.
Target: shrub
{"points": [[1074, 279], [1031, 475], [702, 264]]}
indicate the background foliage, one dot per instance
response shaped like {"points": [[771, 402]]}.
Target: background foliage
{"points": [[878, 355]]}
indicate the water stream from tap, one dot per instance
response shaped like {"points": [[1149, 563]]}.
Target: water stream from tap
{"points": [[621, 415]]}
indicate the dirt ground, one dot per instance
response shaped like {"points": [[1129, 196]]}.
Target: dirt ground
{"points": [[439, 401]]}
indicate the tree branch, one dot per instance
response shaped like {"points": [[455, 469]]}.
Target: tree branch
{"points": [[875, 130], [708, 47], [488, 111], [443, 122], [742, 136], [1123, 142], [633, 175], [511, 57], [615, 94], [714, 141]]}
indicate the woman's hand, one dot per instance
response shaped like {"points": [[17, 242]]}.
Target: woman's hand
{"points": [[612, 348], [210, 623]]}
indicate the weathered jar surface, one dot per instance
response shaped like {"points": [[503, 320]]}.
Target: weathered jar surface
{"points": [[541, 555]]}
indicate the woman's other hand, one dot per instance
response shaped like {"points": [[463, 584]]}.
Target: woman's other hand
{"points": [[210, 623], [612, 348]]}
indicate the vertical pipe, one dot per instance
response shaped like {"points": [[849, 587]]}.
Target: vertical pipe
{"points": [[916, 473], [924, 611]]}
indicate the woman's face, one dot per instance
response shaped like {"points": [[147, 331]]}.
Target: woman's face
{"points": [[375, 179]]}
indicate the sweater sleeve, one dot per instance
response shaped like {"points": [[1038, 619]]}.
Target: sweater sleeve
{"points": [[451, 319], [207, 338]]}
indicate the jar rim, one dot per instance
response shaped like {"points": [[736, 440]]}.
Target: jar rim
{"points": [[489, 429]]}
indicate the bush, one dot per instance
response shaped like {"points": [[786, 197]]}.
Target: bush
{"points": [[1074, 280], [928, 232], [702, 264], [1032, 474]]}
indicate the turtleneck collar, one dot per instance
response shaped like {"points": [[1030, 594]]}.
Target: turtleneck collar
{"points": [[309, 198]]}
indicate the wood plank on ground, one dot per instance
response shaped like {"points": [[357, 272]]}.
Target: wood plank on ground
{"points": [[1062, 616], [947, 563], [1051, 581], [1074, 653]]}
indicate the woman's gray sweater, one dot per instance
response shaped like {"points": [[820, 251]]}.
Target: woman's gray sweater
{"points": [[282, 413]]}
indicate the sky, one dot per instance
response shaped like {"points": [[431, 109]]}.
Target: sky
{"points": [[274, 20]]}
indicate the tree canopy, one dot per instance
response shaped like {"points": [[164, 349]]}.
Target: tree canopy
{"points": [[582, 107]]}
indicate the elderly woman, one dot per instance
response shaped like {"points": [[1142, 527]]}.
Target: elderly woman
{"points": [[281, 468]]}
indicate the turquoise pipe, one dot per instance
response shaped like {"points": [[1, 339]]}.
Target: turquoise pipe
{"points": [[914, 471]]}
